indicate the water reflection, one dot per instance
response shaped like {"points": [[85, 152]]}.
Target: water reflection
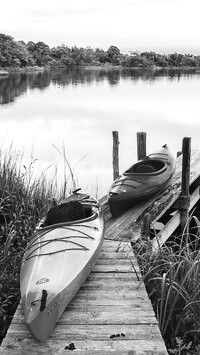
{"points": [[81, 108], [14, 85], [17, 84]]}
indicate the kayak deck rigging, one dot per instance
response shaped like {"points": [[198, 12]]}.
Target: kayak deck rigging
{"points": [[42, 243], [82, 247]]}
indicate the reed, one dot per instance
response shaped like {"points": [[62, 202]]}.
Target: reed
{"points": [[172, 279], [24, 198]]}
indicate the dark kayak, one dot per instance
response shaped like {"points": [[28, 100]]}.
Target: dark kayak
{"points": [[141, 181]]}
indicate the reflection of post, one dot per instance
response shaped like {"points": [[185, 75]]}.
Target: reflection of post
{"points": [[141, 145], [115, 154], [185, 195]]}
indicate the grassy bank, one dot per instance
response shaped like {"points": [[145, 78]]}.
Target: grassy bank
{"points": [[23, 200]]}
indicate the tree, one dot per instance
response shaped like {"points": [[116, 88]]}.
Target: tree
{"points": [[101, 56], [113, 53], [89, 55], [13, 53], [40, 52], [60, 51]]}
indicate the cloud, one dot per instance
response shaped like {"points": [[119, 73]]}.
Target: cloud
{"points": [[128, 24]]}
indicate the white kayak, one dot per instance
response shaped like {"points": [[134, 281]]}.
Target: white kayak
{"points": [[60, 255]]}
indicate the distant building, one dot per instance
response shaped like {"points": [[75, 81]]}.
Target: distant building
{"points": [[132, 53]]}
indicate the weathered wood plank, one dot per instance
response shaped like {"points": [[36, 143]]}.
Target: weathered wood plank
{"points": [[111, 301], [140, 312], [101, 315], [109, 278], [117, 346], [82, 332], [173, 223]]}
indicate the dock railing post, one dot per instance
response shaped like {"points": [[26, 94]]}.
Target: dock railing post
{"points": [[185, 195], [141, 145], [115, 155]]}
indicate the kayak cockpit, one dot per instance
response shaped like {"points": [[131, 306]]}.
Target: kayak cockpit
{"points": [[68, 212], [147, 166]]}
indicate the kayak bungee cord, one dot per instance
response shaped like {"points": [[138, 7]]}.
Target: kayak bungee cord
{"points": [[56, 239], [46, 242], [42, 243], [42, 232]]}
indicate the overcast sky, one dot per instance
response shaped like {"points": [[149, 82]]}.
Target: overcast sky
{"points": [[159, 25]]}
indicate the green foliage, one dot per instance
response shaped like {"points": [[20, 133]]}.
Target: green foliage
{"points": [[23, 200], [113, 54], [12, 53], [20, 54], [180, 347], [172, 279]]}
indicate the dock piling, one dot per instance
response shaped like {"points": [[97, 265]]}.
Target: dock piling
{"points": [[141, 145], [185, 183], [115, 155]]}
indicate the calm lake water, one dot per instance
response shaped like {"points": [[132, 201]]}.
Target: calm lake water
{"points": [[42, 112]]}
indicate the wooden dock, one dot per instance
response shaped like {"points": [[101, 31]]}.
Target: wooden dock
{"points": [[111, 314]]}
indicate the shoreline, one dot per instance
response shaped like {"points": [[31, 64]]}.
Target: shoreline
{"points": [[7, 71]]}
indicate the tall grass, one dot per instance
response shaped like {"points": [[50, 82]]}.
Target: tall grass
{"points": [[23, 201], [172, 279]]}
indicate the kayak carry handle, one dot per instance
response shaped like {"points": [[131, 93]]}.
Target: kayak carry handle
{"points": [[43, 300], [76, 190]]}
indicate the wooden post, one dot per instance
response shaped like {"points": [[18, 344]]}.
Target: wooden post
{"points": [[115, 154], [145, 230], [185, 195], [141, 145]]}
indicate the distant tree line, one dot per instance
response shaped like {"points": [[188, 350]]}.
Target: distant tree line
{"points": [[18, 54]]}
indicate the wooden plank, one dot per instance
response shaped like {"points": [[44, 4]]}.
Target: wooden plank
{"points": [[173, 223], [86, 331], [108, 303], [108, 278], [100, 314], [117, 346], [138, 338]]}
